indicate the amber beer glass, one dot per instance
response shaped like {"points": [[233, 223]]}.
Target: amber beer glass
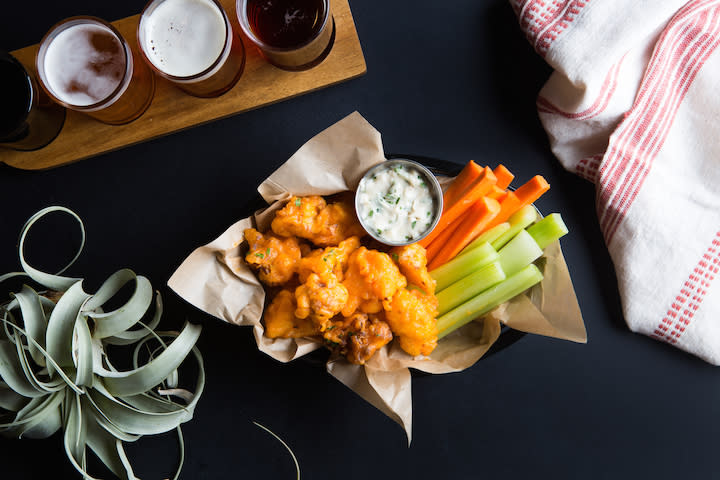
{"points": [[29, 119], [85, 64], [291, 34], [191, 43]]}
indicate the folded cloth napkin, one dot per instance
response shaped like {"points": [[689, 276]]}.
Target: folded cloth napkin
{"points": [[633, 106]]}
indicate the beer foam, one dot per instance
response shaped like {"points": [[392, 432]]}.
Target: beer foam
{"points": [[183, 37], [84, 64]]}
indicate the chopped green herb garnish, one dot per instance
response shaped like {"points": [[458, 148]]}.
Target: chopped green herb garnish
{"points": [[412, 225], [298, 202], [395, 257], [379, 231], [408, 237], [397, 200], [371, 213], [428, 213], [260, 255], [267, 252]]}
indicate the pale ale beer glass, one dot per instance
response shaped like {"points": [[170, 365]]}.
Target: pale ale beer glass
{"points": [[29, 119], [86, 65], [291, 34], [191, 44]]}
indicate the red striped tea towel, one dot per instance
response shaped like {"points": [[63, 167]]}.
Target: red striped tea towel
{"points": [[634, 107]]}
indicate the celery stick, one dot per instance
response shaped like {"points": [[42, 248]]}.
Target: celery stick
{"points": [[466, 288], [518, 221], [489, 299], [548, 230], [463, 265], [519, 252], [487, 236]]}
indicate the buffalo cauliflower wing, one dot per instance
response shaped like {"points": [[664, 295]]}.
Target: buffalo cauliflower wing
{"points": [[411, 316], [280, 319], [371, 277], [313, 219], [274, 258]]}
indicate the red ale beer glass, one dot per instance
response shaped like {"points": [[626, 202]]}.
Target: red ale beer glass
{"points": [[86, 65], [291, 34]]}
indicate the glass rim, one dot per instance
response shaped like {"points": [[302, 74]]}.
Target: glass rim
{"points": [[197, 76], [8, 57], [241, 11], [63, 25]]}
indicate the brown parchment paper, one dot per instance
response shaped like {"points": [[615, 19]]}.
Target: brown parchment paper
{"points": [[215, 279]]}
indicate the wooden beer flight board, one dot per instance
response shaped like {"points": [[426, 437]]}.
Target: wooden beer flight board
{"points": [[172, 110]]}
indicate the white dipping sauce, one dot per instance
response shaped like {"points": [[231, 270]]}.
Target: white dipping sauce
{"points": [[396, 203]]}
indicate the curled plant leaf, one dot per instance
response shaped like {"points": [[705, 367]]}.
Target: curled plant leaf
{"points": [[55, 371]]}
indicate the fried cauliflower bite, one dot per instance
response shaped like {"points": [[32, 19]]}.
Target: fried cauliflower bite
{"points": [[411, 316], [371, 277], [412, 260], [320, 298], [358, 337], [313, 219], [329, 260], [274, 258], [280, 319]]}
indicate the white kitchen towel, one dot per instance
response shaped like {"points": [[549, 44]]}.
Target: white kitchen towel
{"points": [[633, 105]]}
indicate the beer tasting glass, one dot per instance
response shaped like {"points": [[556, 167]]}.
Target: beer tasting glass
{"points": [[29, 119], [191, 44], [86, 65], [291, 34]]}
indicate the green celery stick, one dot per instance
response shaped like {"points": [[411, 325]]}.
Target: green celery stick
{"points": [[518, 221], [548, 230], [484, 302], [463, 265], [466, 288], [518, 253], [488, 236]]}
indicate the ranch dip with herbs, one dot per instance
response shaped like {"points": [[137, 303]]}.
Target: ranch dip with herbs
{"points": [[396, 203]]}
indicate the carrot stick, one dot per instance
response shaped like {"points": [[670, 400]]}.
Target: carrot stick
{"points": [[497, 193], [470, 172], [477, 189], [436, 245], [524, 195], [480, 214], [504, 176]]}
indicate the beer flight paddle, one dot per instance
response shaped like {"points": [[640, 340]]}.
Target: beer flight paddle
{"points": [[173, 109]]}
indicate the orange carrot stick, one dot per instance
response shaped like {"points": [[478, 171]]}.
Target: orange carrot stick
{"points": [[524, 195], [504, 176], [470, 172], [436, 245], [480, 214], [452, 211], [497, 193]]}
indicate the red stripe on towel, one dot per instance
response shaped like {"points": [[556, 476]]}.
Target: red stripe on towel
{"points": [[687, 302], [682, 50]]}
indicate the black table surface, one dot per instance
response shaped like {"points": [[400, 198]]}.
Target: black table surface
{"points": [[456, 81]]}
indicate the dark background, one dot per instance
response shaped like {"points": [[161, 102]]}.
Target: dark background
{"points": [[455, 81]]}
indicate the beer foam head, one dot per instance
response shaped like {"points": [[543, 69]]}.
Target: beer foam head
{"points": [[183, 37], [84, 64]]}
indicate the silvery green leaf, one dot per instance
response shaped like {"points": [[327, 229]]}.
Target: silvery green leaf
{"points": [[121, 319], [12, 373], [153, 373], [83, 352], [62, 325], [34, 319], [56, 281]]}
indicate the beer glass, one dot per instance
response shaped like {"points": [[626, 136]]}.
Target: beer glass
{"points": [[29, 119], [291, 34], [86, 65], [191, 44]]}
